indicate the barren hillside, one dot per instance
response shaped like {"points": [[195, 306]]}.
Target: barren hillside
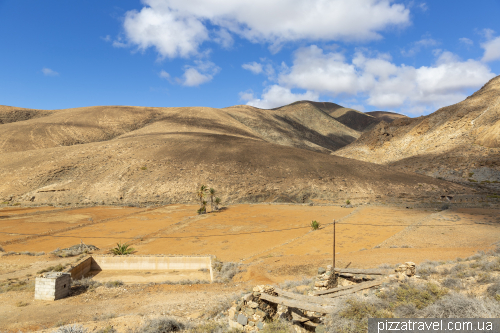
{"points": [[119, 155], [351, 118], [460, 142], [10, 114], [386, 116]]}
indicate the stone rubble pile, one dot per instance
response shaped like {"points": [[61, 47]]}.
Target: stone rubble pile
{"points": [[404, 271], [326, 279], [250, 311]]}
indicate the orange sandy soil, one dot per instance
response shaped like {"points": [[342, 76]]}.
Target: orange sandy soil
{"points": [[273, 242]]}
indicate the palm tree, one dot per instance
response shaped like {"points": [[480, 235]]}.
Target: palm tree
{"points": [[201, 194], [217, 202], [122, 249], [203, 208], [211, 191]]}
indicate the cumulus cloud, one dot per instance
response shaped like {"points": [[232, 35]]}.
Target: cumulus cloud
{"points": [[164, 75], [49, 72], [246, 95], [418, 45], [491, 49], [253, 67], [377, 79], [177, 28], [275, 96], [202, 72], [173, 33], [466, 41], [224, 38]]}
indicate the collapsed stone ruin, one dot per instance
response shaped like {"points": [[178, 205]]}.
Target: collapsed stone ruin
{"points": [[307, 312]]}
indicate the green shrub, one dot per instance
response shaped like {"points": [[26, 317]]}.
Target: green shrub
{"points": [[353, 314], [21, 304], [452, 283], [122, 249], [278, 326], [17, 285], [220, 307], [225, 271], [186, 282], [213, 327], [456, 305], [107, 329], [410, 293], [348, 202], [113, 284], [72, 329], [315, 225], [494, 290], [427, 268], [57, 268], [86, 283], [161, 325]]}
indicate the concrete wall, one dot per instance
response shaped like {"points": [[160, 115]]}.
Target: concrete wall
{"points": [[81, 269], [146, 263], [52, 286]]}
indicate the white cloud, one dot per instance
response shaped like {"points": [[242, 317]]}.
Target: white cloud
{"points": [[491, 49], [177, 28], [418, 45], [224, 38], [466, 41], [382, 83], [276, 96], [314, 70], [246, 95], [49, 72], [203, 72], [164, 75], [172, 33], [253, 67]]}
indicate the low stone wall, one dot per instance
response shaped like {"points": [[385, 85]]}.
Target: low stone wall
{"points": [[81, 269], [146, 263], [52, 286]]}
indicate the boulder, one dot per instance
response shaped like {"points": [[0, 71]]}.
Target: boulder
{"points": [[242, 319]]}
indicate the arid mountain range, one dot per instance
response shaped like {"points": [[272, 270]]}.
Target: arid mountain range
{"points": [[460, 143], [302, 152]]}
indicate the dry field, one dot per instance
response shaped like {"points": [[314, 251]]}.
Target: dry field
{"points": [[273, 242]]}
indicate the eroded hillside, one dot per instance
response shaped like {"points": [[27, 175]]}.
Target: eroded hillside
{"points": [[460, 142], [130, 155]]}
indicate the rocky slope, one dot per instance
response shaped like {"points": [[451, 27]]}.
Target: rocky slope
{"points": [[460, 142], [130, 155]]}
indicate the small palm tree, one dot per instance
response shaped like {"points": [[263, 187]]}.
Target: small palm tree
{"points": [[201, 194], [211, 191], [122, 249], [217, 202], [203, 208], [315, 225]]}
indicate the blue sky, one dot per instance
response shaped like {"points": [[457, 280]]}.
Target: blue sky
{"points": [[405, 56]]}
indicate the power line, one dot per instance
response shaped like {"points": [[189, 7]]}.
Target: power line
{"points": [[243, 233]]}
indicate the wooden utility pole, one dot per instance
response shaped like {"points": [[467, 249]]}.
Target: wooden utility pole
{"points": [[334, 245]]}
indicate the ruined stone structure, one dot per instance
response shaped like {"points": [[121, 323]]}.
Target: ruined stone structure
{"points": [[52, 286]]}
